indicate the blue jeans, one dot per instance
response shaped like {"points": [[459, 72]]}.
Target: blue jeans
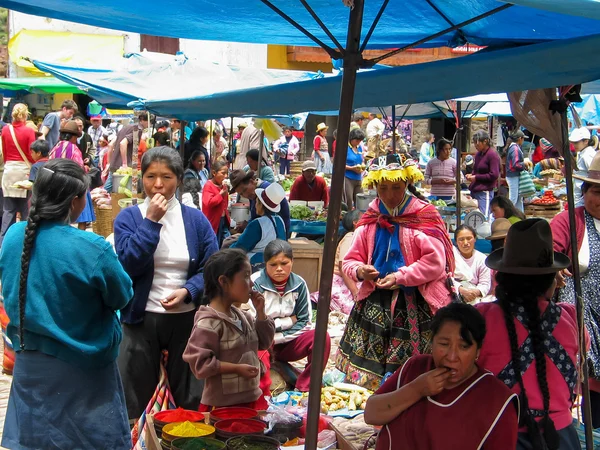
{"points": [[513, 192], [483, 201], [284, 166], [109, 182]]}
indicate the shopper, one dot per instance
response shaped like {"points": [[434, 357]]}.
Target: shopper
{"points": [[265, 173], [215, 200], [580, 139], [321, 150], [53, 121], [287, 146], [197, 143], [222, 348], [163, 246], [441, 172], [486, 171], [514, 167], [502, 207], [472, 276], [354, 168], [62, 288], [16, 141], [196, 168]]}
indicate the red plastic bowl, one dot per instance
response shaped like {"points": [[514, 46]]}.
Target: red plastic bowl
{"points": [[239, 427], [232, 413]]}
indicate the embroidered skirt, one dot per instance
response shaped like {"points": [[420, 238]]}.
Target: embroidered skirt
{"points": [[381, 334]]}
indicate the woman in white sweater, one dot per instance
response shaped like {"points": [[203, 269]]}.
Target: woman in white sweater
{"points": [[473, 277]]}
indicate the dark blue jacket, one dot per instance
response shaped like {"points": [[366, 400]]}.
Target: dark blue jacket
{"points": [[136, 239]]}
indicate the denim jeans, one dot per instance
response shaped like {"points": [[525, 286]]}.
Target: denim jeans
{"points": [[513, 192]]}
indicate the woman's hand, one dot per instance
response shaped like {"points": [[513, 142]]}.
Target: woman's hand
{"points": [[357, 169], [432, 382], [247, 371], [224, 191], [258, 300], [561, 278], [158, 208], [388, 282], [175, 299], [470, 177], [470, 295], [367, 272]]}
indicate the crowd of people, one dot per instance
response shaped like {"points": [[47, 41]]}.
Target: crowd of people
{"points": [[429, 321]]}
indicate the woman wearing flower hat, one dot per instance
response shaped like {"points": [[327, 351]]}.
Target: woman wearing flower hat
{"points": [[321, 149], [587, 228], [402, 253], [532, 342], [267, 227], [67, 148]]}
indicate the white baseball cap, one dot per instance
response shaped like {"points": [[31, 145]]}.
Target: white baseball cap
{"points": [[579, 134]]}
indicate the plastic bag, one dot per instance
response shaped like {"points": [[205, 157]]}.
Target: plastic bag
{"points": [[326, 438], [333, 376]]}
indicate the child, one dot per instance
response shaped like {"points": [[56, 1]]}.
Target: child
{"points": [[223, 346], [215, 200], [287, 302], [191, 193], [39, 152]]}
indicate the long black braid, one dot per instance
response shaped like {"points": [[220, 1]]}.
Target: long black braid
{"points": [[194, 187], [55, 187], [30, 232], [414, 191], [524, 290]]}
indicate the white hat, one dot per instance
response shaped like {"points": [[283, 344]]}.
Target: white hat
{"points": [[579, 134], [271, 197]]}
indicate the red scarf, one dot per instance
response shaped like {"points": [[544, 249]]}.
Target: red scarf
{"points": [[426, 220]]}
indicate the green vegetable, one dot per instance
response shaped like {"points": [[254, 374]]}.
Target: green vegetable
{"points": [[300, 212], [439, 203], [286, 184]]}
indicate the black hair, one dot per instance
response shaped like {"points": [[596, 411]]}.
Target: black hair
{"points": [[287, 129], [356, 133], [357, 117], [66, 136], [509, 208], [252, 154], [441, 144], [40, 146], [198, 135], [276, 247], [349, 219], [161, 138], [55, 187], [414, 191], [472, 323], [497, 243], [335, 134], [464, 227], [165, 155], [193, 186], [144, 117], [218, 165], [227, 263], [515, 291], [195, 154]]}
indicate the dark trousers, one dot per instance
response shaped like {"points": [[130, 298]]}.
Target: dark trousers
{"points": [[140, 355], [12, 206], [284, 166]]}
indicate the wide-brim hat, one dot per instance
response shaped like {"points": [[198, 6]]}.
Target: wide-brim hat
{"points": [[593, 174], [271, 197], [500, 229], [392, 168], [528, 250], [71, 127], [322, 127], [238, 177]]}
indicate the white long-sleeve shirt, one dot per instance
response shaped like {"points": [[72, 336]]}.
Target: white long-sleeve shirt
{"points": [[375, 127]]}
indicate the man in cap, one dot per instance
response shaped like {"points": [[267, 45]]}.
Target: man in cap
{"points": [[580, 138], [96, 130], [309, 187]]}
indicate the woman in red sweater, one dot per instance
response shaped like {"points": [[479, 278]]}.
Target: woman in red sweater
{"points": [[215, 199]]}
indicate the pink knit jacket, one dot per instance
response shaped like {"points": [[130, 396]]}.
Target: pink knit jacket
{"points": [[424, 257]]}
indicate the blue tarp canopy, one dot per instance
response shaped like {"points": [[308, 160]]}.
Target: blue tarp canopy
{"points": [[589, 109], [402, 23], [155, 75], [529, 67]]}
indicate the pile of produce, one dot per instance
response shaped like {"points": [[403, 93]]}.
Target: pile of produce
{"points": [[343, 396], [439, 203], [550, 172], [301, 212], [101, 198], [548, 199], [356, 431], [286, 184]]}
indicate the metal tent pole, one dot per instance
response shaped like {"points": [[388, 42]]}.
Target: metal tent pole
{"points": [[589, 439], [231, 144], [351, 64], [459, 142], [393, 129]]}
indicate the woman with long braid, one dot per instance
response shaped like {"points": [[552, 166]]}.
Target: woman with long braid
{"points": [[532, 343], [61, 288]]}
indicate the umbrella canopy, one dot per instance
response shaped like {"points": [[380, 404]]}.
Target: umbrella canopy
{"points": [[36, 85], [402, 22]]}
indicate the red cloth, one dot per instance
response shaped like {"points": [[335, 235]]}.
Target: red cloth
{"points": [[259, 405], [537, 156], [302, 191], [214, 204], [299, 348], [25, 137], [561, 234], [455, 419], [496, 354]]}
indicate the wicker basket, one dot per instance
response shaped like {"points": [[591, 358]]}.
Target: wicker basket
{"points": [[103, 225]]}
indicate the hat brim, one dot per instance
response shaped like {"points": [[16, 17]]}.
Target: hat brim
{"points": [[587, 180], [259, 192], [64, 130], [309, 168], [494, 262], [235, 184], [495, 237]]}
